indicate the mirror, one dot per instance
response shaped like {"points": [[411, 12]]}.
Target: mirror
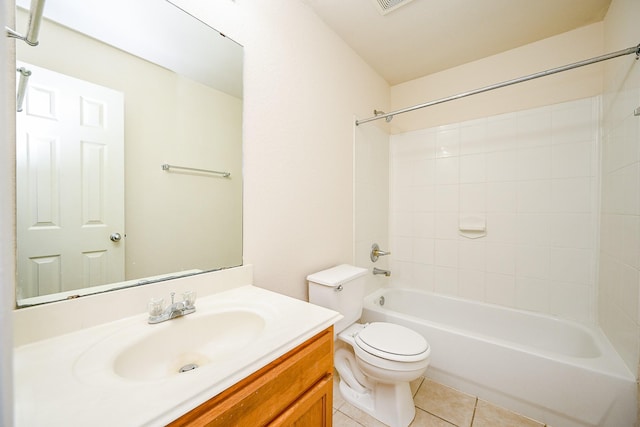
{"points": [[117, 90]]}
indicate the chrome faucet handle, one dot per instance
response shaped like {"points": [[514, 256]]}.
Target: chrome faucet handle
{"points": [[376, 252]]}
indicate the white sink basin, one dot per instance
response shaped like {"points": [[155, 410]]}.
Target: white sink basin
{"points": [[177, 346]]}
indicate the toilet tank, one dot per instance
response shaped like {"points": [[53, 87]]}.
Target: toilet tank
{"points": [[340, 288]]}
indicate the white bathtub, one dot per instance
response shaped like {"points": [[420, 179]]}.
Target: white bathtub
{"points": [[557, 372]]}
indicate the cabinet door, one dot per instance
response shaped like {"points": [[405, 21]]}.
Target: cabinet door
{"points": [[313, 409]]}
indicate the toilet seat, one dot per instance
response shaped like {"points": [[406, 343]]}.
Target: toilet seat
{"points": [[392, 342]]}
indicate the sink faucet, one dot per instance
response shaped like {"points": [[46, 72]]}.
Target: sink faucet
{"points": [[376, 270], [177, 309]]}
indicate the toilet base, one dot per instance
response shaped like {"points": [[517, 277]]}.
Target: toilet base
{"points": [[391, 404]]}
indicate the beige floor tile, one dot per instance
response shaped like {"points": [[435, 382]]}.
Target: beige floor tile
{"points": [[338, 400], [445, 402], [341, 420], [488, 415], [425, 419], [415, 385], [360, 416]]}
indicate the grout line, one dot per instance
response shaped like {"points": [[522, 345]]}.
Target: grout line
{"points": [[473, 416]]}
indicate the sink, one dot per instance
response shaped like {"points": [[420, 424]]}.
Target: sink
{"points": [[176, 347]]}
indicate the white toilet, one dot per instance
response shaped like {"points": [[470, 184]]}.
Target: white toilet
{"points": [[380, 359]]}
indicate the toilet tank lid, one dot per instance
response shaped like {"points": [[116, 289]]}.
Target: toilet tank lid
{"points": [[337, 275]]}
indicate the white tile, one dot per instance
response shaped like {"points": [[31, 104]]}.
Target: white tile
{"points": [[573, 121], [623, 190], [501, 228], [403, 249], [571, 301], [447, 169], [502, 197], [534, 127], [502, 165], [572, 160], [534, 196], [572, 195], [424, 251], [472, 254], [572, 230], [501, 132], [446, 280], [447, 198], [473, 136], [533, 261], [473, 168], [424, 198], [500, 289], [572, 265], [447, 226], [402, 172], [473, 198], [423, 225], [534, 163], [446, 253], [500, 258], [423, 276], [534, 229], [424, 171], [471, 284], [403, 199], [401, 224], [532, 294], [447, 141]]}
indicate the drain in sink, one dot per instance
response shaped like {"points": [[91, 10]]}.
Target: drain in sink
{"points": [[189, 367]]}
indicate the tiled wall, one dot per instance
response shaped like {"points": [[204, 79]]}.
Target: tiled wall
{"points": [[531, 176], [619, 276]]}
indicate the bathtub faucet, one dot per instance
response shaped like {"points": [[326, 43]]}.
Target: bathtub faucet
{"points": [[376, 270]]}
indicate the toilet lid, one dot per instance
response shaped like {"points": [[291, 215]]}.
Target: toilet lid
{"points": [[391, 341]]}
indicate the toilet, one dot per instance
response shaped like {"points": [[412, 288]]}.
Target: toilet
{"points": [[375, 361]]}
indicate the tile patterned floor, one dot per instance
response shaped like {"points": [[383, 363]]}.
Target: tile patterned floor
{"points": [[436, 406]]}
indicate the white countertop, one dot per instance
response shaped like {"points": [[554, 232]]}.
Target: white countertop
{"points": [[54, 385]]}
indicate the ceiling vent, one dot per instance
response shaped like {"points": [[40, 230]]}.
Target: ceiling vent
{"points": [[386, 6]]}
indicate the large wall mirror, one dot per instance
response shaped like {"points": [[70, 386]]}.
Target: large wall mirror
{"points": [[129, 148]]}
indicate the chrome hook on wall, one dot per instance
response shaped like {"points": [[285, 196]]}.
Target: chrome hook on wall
{"points": [[35, 18]]}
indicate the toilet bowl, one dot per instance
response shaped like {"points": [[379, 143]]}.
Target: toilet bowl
{"points": [[375, 361]]}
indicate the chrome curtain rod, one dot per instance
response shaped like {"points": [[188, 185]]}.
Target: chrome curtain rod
{"points": [[35, 18], [167, 167], [389, 116]]}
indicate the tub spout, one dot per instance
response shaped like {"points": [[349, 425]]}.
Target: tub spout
{"points": [[376, 270]]}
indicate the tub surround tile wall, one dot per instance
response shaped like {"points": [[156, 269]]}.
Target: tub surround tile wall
{"points": [[531, 177], [619, 257]]}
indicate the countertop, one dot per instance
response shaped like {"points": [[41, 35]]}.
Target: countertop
{"points": [[55, 386]]}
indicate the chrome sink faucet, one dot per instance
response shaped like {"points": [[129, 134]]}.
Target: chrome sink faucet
{"points": [[157, 312]]}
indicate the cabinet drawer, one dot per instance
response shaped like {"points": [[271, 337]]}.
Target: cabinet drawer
{"points": [[262, 396]]}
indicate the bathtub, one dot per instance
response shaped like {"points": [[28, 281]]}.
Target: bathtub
{"points": [[554, 371]]}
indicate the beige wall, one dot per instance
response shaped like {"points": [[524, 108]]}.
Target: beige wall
{"points": [[168, 119], [573, 46], [302, 87], [7, 220]]}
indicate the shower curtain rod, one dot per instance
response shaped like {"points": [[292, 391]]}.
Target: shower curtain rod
{"points": [[389, 116]]}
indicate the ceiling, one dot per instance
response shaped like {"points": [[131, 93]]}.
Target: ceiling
{"points": [[422, 37]]}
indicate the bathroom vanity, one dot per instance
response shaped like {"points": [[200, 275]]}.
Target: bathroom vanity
{"points": [[297, 388], [260, 357]]}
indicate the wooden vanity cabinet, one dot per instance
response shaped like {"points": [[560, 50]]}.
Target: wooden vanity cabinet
{"points": [[293, 390]]}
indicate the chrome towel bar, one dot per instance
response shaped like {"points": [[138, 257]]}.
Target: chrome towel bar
{"points": [[168, 167]]}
